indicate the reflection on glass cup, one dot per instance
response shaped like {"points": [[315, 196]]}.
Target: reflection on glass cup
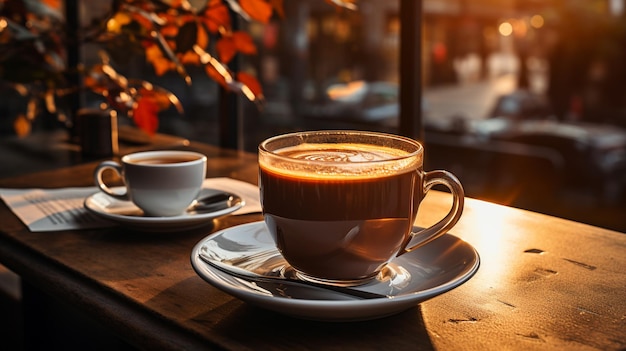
{"points": [[341, 204], [161, 183]]}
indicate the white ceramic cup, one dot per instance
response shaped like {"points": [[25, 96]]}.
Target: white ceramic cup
{"points": [[161, 183]]}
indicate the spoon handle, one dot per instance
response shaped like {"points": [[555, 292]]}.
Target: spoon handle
{"points": [[253, 277]]}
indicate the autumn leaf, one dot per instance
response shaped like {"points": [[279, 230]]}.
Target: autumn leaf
{"points": [[216, 16], [22, 126], [226, 49], [145, 114], [175, 3], [190, 58], [215, 75], [259, 10], [278, 7], [252, 83], [169, 31], [228, 46], [55, 4], [243, 42], [203, 37], [161, 65]]}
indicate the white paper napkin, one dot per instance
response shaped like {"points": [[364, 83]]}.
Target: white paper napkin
{"points": [[44, 210]]}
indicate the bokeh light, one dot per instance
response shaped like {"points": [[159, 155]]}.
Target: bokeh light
{"points": [[505, 29], [537, 21]]}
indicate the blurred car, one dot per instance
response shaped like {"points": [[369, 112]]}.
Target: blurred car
{"points": [[594, 155], [522, 104], [362, 102]]}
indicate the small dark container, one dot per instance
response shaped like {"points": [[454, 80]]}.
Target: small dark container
{"points": [[97, 132]]}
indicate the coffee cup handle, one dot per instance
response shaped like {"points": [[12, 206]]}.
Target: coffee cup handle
{"points": [[431, 233], [97, 175]]}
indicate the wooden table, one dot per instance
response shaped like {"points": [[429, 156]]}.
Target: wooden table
{"points": [[544, 283]]}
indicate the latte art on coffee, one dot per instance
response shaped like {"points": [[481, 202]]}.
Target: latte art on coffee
{"points": [[345, 152], [339, 155], [341, 160]]}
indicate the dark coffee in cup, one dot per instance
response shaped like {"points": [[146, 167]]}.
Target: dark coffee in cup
{"points": [[355, 217], [163, 160], [341, 204]]}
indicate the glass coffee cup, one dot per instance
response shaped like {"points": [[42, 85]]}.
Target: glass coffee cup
{"points": [[341, 204]]}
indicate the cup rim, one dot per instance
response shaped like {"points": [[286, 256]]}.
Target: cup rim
{"points": [[263, 149], [128, 158]]}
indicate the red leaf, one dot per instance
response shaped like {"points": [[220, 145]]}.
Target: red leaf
{"points": [[251, 82], [278, 7], [228, 46], [259, 10], [169, 31], [243, 43], [215, 75], [216, 16], [146, 113], [226, 49]]}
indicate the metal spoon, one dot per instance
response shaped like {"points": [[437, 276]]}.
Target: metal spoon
{"points": [[285, 280], [215, 202]]}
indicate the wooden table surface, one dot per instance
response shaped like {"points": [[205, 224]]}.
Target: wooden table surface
{"points": [[544, 283]]}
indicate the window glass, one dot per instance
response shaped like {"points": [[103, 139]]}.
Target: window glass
{"points": [[524, 100], [518, 96]]}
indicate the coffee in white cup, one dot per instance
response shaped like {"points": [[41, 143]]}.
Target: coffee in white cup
{"points": [[161, 183]]}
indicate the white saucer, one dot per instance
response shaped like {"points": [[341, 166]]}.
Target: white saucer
{"points": [[126, 213], [417, 276]]}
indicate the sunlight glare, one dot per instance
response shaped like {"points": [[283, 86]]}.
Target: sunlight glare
{"points": [[491, 221]]}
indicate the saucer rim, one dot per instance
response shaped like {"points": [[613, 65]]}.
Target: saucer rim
{"points": [[355, 310], [187, 219]]}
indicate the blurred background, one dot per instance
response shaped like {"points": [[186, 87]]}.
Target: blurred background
{"points": [[524, 100]]}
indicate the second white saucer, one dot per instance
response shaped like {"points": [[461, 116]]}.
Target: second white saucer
{"points": [[126, 213]]}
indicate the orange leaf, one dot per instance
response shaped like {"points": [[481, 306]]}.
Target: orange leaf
{"points": [[251, 82], [216, 16], [278, 7], [175, 3], [202, 37], [160, 99], [145, 114], [21, 125], [161, 65], [226, 48], [259, 10], [243, 42], [169, 31], [55, 4], [215, 75], [190, 58]]}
